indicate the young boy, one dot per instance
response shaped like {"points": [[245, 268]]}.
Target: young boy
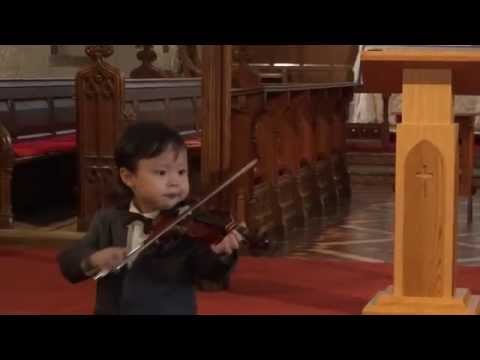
{"points": [[153, 170]]}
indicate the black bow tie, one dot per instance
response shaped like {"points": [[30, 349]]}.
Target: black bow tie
{"points": [[147, 222]]}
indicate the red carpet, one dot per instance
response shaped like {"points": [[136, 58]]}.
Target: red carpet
{"points": [[30, 283]]}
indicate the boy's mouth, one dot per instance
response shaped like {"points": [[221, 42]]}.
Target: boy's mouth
{"points": [[171, 196]]}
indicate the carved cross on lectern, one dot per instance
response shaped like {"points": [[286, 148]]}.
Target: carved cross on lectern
{"points": [[424, 176]]}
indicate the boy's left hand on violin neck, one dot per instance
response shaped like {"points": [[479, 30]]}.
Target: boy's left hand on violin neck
{"points": [[229, 244]]}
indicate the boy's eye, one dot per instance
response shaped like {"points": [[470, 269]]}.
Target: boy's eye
{"points": [[182, 172], [160, 172]]}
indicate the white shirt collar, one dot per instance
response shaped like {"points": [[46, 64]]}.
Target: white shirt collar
{"points": [[150, 215]]}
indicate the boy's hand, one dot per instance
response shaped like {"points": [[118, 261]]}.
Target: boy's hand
{"points": [[108, 259], [229, 244]]}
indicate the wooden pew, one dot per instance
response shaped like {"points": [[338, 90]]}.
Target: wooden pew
{"points": [[273, 139], [261, 122], [172, 101], [252, 198], [324, 102], [328, 106], [302, 124], [284, 162], [344, 96], [103, 99], [175, 102], [312, 64], [37, 122]]}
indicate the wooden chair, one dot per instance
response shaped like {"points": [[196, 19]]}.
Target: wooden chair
{"points": [[37, 123]]}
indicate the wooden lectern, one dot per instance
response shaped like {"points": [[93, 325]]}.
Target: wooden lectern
{"points": [[426, 176]]}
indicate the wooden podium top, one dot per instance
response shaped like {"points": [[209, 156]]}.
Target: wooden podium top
{"points": [[382, 69]]}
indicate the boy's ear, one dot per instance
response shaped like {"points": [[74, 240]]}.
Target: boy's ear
{"points": [[126, 176]]}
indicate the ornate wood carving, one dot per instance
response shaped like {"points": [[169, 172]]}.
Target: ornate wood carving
{"points": [[147, 70], [245, 109], [99, 101], [7, 159], [189, 58], [244, 76], [323, 135], [340, 118], [271, 134], [301, 123]]}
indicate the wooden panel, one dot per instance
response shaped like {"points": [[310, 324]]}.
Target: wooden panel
{"points": [[322, 74], [467, 156], [16, 89], [150, 89], [269, 54], [183, 113], [6, 118], [329, 54], [30, 108], [262, 210], [301, 122], [340, 118], [323, 129], [427, 220], [176, 102], [306, 126], [153, 110], [216, 107], [64, 114], [246, 106], [424, 238], [315, 63], [179, 114], [324, 109], [99, 100], [290, 88], [242, 153], [375, 64], [302, 54], [266, 152], [32, 117]]}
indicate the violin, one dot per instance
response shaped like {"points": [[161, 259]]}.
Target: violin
{"points": [[210, 227], [190, 221]]}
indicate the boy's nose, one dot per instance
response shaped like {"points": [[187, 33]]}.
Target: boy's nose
{"points": [[173, 181]]}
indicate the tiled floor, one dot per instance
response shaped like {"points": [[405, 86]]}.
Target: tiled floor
{"points": [[363, 231]]}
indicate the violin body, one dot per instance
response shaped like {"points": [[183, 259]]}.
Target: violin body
{"points": [[207, 226]]}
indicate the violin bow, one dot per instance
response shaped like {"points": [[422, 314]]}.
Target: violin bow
{"points": [[154, 237]]}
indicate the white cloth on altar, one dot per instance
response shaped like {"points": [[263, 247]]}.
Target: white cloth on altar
{"points": [[368, 108]]}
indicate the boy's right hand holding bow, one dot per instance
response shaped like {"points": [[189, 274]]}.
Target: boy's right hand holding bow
{"points": [[105, 260]]}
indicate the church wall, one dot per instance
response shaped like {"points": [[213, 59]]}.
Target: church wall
{"points": [[24, 61]]}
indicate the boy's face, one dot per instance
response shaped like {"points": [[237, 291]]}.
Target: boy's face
{"points": [[161, 182]]}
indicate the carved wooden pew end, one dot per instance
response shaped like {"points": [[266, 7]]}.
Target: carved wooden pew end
{"points": [[308, 191], [289, 201], [341, 177], [37, 122], [325, 185], [262, 215]]}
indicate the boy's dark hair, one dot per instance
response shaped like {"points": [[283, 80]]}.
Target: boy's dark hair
{"points": [[145, 140], [142, 140]]}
